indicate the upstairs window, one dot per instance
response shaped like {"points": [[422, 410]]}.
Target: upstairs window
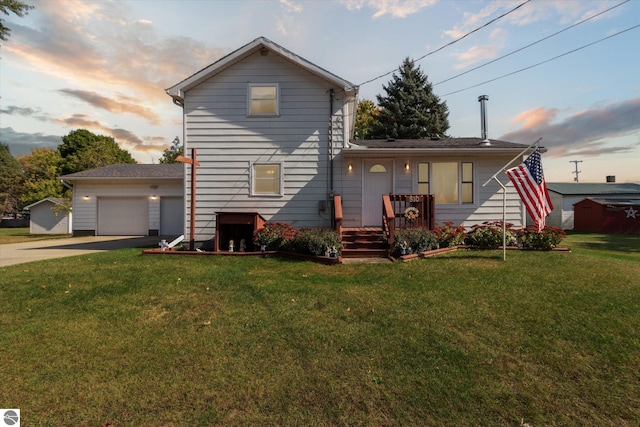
{"points": [[263, 100]]}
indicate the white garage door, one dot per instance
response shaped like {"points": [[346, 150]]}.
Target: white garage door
{"points": [[123, 216], [171, 216]]}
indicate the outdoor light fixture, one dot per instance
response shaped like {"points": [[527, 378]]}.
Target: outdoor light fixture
{"points": [[350, 167], [407, 166], [154, 197], [85, 197]]}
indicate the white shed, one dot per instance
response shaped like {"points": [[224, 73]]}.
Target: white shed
{"points": [[48, 216]]}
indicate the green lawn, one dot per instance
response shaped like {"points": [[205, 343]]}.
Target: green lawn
{"points": [[464, 339], [18, 235]]}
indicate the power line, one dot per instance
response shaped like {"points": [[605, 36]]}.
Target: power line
{"points": [[543, 62], [532, 44], [452, 42]]}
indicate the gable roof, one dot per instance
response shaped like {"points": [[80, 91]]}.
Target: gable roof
{"points": [[177, 91], [130, 171], [612, 202], [435, 146], [54, 200], [586, 189]]}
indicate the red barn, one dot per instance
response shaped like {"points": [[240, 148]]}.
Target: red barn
{"points": [[618, 216]]}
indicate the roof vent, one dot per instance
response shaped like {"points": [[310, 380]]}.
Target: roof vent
{"points": [[611, 178], [390, 139], [483, 119]]}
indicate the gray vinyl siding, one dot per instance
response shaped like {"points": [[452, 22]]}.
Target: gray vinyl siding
{"points": [[228, 142], [487, 204], [85, 211]]}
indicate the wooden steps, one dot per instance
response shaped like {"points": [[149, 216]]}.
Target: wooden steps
{"points": [[366, 242]]}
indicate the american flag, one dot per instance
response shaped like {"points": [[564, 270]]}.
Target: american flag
{"points": [[528, 179]]}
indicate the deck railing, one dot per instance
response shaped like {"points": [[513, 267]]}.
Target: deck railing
{"points": [[402, 211], [388, 220], [337, 213]]}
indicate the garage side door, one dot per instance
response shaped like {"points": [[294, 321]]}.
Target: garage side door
{"points": [[171, 216], [123, 216]]}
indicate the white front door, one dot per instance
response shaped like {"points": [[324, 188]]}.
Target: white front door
{"points": [[378, 180]]}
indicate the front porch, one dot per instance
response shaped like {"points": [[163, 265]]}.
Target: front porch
{"points": [[399, 212]]}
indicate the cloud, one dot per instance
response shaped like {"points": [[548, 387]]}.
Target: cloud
{"points": [[474, 55], [113, 106], [123, 137], [565, 12], [587, 133], [287, 20], [23, 143], [14, 110], [395, 8], [96, 44]]}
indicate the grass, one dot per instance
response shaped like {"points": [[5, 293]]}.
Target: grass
{"points": [[19, 235], [463, 339]]}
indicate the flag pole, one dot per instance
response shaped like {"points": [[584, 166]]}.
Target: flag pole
{"points": [[504, 197], [512, 160]]}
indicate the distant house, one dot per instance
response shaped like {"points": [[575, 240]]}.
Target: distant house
{"points": [[273, 134], [48, 216], [564, 195], [128, 200], [615, 216]]}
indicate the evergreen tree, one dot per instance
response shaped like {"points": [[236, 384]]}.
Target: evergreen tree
{"points": [[411, 110], [15, 6]]}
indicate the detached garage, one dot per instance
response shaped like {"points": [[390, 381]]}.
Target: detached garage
{"points": [[128, 200]]}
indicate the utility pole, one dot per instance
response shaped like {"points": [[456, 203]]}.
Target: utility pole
{"points": [[576, 172]]}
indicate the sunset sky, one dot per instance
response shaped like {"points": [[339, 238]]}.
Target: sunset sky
{"points": [[104, 66]]}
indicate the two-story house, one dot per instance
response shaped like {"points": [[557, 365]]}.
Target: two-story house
{"points": [[272, 133]]}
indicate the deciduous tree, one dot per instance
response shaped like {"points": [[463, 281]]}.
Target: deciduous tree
{"points": [[11, 180], [82, 150], [169, 155], [41, 171], [366, 117]]}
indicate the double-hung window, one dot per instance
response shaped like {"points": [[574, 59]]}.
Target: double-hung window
{"points": [[449, 182], [266, 179], [263, 99]]}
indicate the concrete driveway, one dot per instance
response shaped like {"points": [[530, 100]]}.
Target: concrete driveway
{"points": [[18, 253]]}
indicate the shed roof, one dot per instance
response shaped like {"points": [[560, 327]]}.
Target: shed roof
{"points": [[613, 202], [177, 91], [130, 171], [54, 200], [587, 189]]}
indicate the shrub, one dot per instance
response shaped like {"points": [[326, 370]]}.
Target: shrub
{"points": [[275, 236], [414, 240], [489, 235], [315, 241], [547, 239], [450, 236]]}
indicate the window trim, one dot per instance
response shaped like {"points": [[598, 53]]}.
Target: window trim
{"points": [[460, 180], [250, 86], [252, 189]]}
